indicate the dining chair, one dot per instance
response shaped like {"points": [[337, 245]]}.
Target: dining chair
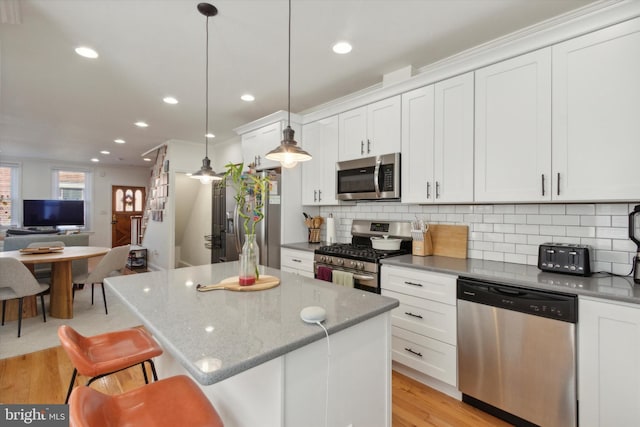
{"points": [[43, 271], [17, 282], [174, 401], [110, 265]]}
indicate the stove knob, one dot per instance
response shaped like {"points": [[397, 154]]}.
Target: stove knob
{"points": [[340, 262], [323, 258], [361, 265], [352, 263]]}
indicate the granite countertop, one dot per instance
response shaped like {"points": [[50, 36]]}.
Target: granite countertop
{"points": [[598, 285], [218, 334], [304, 246]]}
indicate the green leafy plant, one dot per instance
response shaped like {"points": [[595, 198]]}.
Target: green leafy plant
{"points": [[250, 194]]}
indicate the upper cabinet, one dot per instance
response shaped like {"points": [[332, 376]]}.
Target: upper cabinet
{"points": [[437, 142], [370, 130], [320, 139], [596, 115], [256, 144], [513, 130]]}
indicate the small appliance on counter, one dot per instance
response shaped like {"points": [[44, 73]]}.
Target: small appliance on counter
{"points": [[634, 235], [565, 258]]}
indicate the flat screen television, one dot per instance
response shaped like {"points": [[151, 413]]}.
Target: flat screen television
{"points": [[52, 213]]}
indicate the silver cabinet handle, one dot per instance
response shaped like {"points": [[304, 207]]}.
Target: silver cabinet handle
{"points": [[428, 190], [319, 195], [558, 183], [368, 146], [437, 190], [542, 184], [361, 147], [260, 160], [413, 284], [314, 195]]}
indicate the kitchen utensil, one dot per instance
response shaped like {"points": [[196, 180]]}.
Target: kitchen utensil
{"points": [[232, 284], [634, 235], [385, 243]]}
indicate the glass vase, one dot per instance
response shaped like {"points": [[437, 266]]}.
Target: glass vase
{"points": [[249, 261]]}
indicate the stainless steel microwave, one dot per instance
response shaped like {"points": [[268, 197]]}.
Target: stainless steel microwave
{"points": [[369, 178]]}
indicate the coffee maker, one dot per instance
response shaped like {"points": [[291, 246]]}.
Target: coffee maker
{"points": [[634, 234]]}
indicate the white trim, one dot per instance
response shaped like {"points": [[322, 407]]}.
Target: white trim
{"points": [[278, 116]]}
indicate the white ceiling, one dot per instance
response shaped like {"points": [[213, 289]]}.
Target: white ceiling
{"points": [[58, 105]]}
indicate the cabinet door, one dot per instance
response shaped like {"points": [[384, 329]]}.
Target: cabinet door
{"points": [[320, 138], [353, 134], [596, 115], [453, 153], [256, 144], [608, 364], [417, 146], [383, 127], [513, 130]]}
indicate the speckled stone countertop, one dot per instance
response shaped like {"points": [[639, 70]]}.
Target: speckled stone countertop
{"points": [[304, 246], [600, 286], [218, 334]]}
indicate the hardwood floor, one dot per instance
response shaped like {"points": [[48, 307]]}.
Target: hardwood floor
{"points": [[43, 377]]}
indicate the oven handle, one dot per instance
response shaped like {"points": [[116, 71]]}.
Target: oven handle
{"points": [[376, 174], [360, 277]]}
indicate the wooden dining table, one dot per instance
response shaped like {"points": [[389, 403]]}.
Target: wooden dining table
{"points": [[61, 295]]}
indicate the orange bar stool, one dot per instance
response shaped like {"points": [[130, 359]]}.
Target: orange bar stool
{"points": [[106, 354], [174, 401]]}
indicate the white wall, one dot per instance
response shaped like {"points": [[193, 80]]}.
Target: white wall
{"points": [[36, 183], [193, 221]]}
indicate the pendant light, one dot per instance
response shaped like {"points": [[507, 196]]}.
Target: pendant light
{"points": [[206, 174], [288, 153]]}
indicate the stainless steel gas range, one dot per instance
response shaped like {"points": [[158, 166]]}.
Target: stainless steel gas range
{"points": [[359, 257]]}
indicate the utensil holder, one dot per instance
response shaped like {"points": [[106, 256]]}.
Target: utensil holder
{"points": [[423, 247], [314, 235]]}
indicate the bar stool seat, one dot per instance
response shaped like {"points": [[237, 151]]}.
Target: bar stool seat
{"points": [[174, 401], [105, 354]]}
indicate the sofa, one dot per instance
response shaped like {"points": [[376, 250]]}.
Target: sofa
{"points": [[78, 267]]}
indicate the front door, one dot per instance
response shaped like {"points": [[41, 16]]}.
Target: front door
{"points": [[126, 202]]}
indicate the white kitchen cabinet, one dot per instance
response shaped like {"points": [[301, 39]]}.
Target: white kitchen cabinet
{"points": [[596, 111], [320, 139], [424, 335], [608, 363], [257, 143], [370, 130], [297, 262], [513, 129], [437, 142]]}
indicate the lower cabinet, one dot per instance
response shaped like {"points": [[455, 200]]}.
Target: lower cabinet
{"points": [[608, 363], [297, 262], [424, 324]]}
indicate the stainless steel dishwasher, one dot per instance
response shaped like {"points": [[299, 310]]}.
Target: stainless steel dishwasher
{"points": [[517, 352]]}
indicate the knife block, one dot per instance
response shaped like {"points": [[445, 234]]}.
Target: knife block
{"points": [[423, 247]]}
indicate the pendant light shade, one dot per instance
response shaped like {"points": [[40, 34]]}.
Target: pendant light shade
{"points": [[206, 174], [288, 153]]}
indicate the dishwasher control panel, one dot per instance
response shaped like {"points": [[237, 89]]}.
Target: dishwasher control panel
{"points": [[564, 258]]}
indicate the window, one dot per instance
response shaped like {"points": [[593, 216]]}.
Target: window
{"points": [[73, 185], [9, 194]]}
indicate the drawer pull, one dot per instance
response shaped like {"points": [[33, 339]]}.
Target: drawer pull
{"points": [[408, 313], [413, 284], [296, 260], [413, 352]]}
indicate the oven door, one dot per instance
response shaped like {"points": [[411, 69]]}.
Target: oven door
{"points": [[369, 178], [363, 280]]}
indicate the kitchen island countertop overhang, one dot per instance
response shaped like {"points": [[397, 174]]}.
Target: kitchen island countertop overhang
{"points": [[218, 334]]}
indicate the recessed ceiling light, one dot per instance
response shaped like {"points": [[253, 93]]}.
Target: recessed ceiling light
{"points": [[146, 159], [86, 52], [141, 124], [170, 100], [105, 152], [94, 160], [342, 48], [210, 135], [247, 97], [119, 141]]}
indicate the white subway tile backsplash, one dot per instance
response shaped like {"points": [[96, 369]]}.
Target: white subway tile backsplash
{"points": [[512, 233]]}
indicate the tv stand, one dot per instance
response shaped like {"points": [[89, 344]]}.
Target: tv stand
{"points": [[30, 230]]}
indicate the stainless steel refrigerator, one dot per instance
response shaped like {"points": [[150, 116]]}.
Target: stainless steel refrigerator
{"points": [[228, 231]]}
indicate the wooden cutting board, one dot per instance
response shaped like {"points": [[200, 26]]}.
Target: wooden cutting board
{"points": [[449, 240], [231, 284], [42, 250]]}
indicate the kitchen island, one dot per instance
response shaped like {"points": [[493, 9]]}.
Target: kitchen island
{"points": [[257, 361]]}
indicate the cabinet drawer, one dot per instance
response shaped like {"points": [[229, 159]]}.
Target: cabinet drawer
{"points": [[428, 318], [431, 357], [418, 283], [298, 260]]}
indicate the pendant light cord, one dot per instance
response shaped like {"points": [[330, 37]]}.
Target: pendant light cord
{"points": [[289, 73], [206, 95]]}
